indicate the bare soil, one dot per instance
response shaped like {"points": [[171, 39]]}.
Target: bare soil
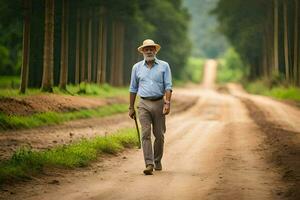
{"points": [[225, 146], [51, 102], [46, 137]]}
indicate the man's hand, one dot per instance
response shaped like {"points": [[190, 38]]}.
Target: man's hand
{"points": [[166, 108], [131, 113]]}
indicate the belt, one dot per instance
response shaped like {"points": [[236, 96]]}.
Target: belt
{"points": [[152, 98]]}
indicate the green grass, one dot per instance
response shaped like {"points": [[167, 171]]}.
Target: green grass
{"points": [[279, 92], [193, 71], [26, 162], [49, 118], [10, 82], [83, 89], [230, 67]]}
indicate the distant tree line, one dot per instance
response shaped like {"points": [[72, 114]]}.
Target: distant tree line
{"points": [[208, 42], [94, 41], [265, 34]]}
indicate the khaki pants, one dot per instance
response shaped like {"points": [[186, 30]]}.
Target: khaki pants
{"points": [[151, 114]]}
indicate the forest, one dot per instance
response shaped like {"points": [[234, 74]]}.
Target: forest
{"points": [[64, 42], [266, 36], [59, 42]]}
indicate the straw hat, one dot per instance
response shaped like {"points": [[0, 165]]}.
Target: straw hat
{"points": [[148, 43]]}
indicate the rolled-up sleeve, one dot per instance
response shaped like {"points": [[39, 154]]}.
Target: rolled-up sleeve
{"points": [[168, 78], [133, 82]]}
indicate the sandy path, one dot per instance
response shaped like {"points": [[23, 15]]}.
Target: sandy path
{"points": [[214, 150], [50, 136], [46, 137], [220, 148], [210, 74]]}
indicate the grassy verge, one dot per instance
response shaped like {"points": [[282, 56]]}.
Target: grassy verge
{"points": [[230, 67], [87, 89], [49, 118], [83, 89], [192, 72], [26, 162], [9, 82], [279, 92]]}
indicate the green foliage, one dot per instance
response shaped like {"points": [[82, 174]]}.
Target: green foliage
{"points": [[10, 36], [170, 22], [193, 70], [248, 27], [49, 118], [8, 85], [89, 89], [9, 82], [279, 91], [207, 41], [230, 68], [165, 21], [26, 162]]}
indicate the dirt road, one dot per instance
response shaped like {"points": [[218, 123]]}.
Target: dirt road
{"points": [[226, 146]]}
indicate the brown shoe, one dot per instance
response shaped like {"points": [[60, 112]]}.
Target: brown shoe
{"points": [[148, 170], [158, 166]]}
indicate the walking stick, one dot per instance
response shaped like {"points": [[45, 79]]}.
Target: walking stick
{"points": [[138, 131]]}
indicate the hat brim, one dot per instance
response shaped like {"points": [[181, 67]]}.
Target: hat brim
{"points": [[157, 47]]}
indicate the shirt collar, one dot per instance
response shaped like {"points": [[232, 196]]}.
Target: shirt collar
{"points": [[155, 61]]}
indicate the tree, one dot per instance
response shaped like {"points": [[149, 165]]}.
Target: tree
{"points": [[266, 37], [276, 62], [78, 36], [98, 52], [207, 41], [296, 44], [47, 81], [286, 41], [89, 46], [64, 46], [26, 49]]}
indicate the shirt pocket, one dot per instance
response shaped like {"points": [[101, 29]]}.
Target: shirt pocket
{"points": [[142, 76], [158, 76]]}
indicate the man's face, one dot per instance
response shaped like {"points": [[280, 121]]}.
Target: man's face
{"points": [[149, 53]]}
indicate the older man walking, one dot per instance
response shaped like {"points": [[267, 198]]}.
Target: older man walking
{"points": [[151, 79]]}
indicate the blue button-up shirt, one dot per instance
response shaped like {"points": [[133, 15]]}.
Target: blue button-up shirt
{"points": [[151, 82]]}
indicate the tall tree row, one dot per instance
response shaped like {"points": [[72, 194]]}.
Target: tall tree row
{"points": [[47, 79], [265, 34], [26, 48], [96, 41]]}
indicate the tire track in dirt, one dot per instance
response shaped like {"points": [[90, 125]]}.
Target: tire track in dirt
{"points": [[283, 147], [213, 151], [242, 172]]}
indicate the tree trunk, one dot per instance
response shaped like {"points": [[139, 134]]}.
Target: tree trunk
{"points": [[77, 59], [117, 57], [121, 54], [286, 45], [113, 54], [95, 42], [296, 44], [104, 53], [269, 28], [104, 50], [47, 82], [265, 55], [276, 58], [89, 47], [102, 47], [26, 46], [64, 46], [83, 46]]}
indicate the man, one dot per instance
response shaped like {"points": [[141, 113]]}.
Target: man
{"points": [[151, 80]]}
